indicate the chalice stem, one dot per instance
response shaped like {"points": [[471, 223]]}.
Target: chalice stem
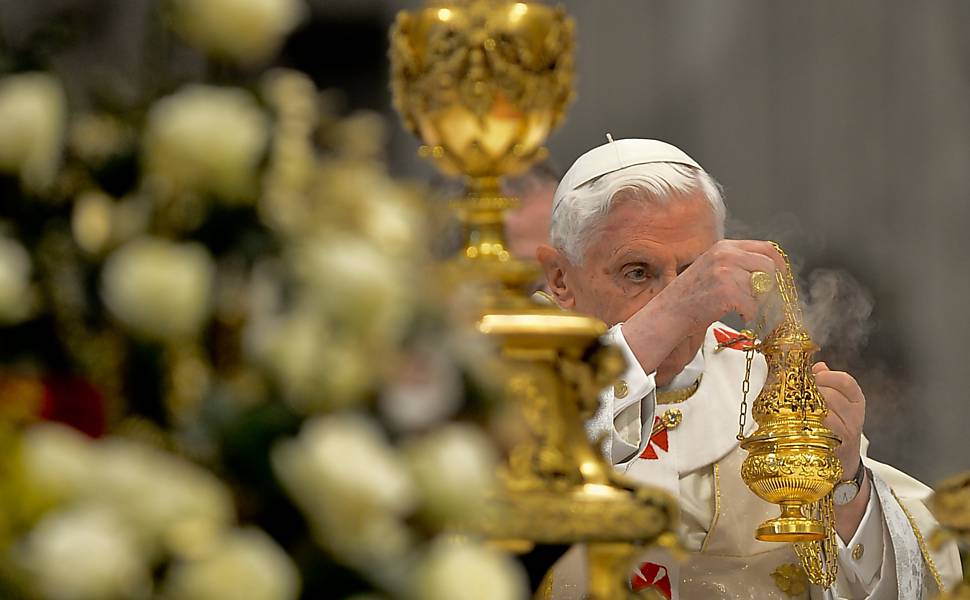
{"points": [[482, 212]]}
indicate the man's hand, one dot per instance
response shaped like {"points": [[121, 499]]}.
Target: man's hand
{"points": [[717, 283], [847, 414]]}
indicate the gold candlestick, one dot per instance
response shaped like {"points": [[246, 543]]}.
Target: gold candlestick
{"points": [[482, 83]]}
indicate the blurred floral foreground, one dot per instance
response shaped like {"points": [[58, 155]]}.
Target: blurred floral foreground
{"points": [[225, 369]]}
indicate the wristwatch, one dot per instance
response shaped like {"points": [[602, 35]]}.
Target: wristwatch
{"points": [[846, 491]]}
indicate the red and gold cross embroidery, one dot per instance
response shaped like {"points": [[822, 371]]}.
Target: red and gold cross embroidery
{"points": [[658, 435], [658, 439], [652, 576], [728, 338]]}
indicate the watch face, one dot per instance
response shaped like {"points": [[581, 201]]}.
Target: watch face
{"points": [[845, 492]]}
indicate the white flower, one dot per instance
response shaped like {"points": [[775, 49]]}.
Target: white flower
{"points": [[351, 484], [352, 305], [32, 122], [58, 460], [464, 570], [164, 498], [355, 284], [160, 289], [16, 296], [96, 137], [206, 139], [387, 211], [246, 563], [392, 223], [316, 371], [85, 553], [243, 30], [454, 468]]}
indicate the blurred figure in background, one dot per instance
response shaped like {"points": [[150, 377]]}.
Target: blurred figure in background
{"points": [[527, 226]]}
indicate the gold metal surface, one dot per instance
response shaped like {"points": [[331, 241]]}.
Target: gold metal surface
{"points": [[672, 417], [791, 460], [678, 396], [556, 487], [482, 83], [669, 420], [858, 551], [761, 283], [950, 504]]}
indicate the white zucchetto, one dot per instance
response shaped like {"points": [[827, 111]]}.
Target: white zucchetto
{"points": [[620, 154]]}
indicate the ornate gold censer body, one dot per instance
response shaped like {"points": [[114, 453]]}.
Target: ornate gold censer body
{"points": [[791, 460], [482, 83]]}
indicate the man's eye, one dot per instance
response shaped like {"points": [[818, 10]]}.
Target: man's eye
{"points": [[637, 274]]}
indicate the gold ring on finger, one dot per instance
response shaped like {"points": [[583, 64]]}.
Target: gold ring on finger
{"points": [[761, 283]]}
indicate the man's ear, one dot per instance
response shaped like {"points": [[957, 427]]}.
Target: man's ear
{"points": [[554, 264]]}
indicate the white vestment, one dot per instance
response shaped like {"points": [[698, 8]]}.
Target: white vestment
{"points": [[698, 462]]}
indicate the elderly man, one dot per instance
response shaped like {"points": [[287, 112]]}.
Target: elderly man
{"points": [[637, 240]]}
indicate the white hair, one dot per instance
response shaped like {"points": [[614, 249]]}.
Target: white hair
{"points": [[577, 214]]}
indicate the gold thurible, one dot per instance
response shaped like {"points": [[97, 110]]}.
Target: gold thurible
{"points": [[482, 83], [791, 460]]}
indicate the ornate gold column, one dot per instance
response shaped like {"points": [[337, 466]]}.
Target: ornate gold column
{"points": [[482, 83]]}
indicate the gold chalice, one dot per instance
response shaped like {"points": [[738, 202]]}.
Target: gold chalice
{"points": [[482, 83]]}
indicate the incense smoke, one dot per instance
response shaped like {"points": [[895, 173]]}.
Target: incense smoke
{"points": [[838, 311]]}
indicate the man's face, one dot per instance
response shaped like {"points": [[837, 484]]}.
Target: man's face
{"points": [[637, 252]]}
